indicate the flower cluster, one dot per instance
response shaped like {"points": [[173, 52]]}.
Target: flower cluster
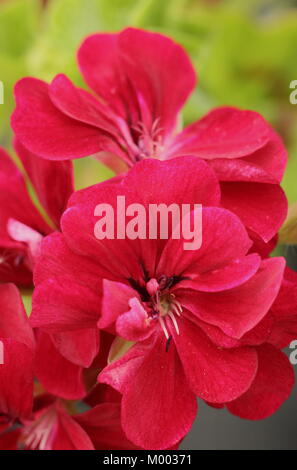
{"points": [[125, 334]]}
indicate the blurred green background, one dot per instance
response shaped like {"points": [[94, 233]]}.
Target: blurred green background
{"points": [[244, 52]]}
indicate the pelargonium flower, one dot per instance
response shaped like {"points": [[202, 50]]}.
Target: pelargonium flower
{"points": [[140, 81], [22, 225], [55, 425], [31, 418], [188, 323]]}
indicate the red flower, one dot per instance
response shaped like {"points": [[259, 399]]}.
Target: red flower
{"points": [[188, 322], [54, 426], [142, 80], [47, 422], [21, 224]]}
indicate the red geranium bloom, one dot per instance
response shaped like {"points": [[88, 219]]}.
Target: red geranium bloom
{"points": [[142, 80], [47, 421], [189, 323], [22, 225], [54, 426]]}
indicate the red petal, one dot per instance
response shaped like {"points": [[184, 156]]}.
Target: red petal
{"points": [[15, 202], [13, 320], [227, 277], [116, 258], [120, 373], [223, 133], [115, 301], [283, 312], [9, 440], [237, 310], [57, 375], [217, 375], [103, 425], [78, 346], [17, 345], [272, 158], [62, 304], [256, 336], [185, 180], [158, 408], [69, 435], [81, 106], [16, 379], [109, 84], [238, 169], [44, 130], [147, 61], [57, 260], [261, 207], [135, 325], [224, 241], [272, 386], [160, 71], [52, 181], [266, 165]]}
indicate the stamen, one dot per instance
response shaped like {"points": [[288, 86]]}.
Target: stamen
{"points": [[162, 323], [126, 134], [149, 141], [37, 434], [171, 315], [176, 308], [44, 440]]}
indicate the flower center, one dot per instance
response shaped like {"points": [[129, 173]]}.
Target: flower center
{"points": [[37, 434], [149, 141], [163, 304]]}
